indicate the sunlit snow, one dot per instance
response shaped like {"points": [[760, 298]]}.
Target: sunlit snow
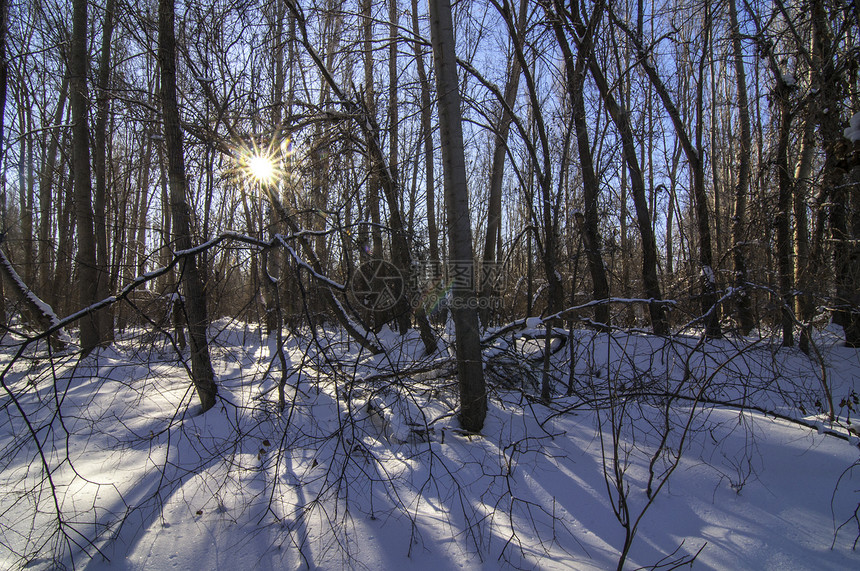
{"points": [[366, 467]]}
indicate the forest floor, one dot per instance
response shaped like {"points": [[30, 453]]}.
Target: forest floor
{"points": [[107, 465]]}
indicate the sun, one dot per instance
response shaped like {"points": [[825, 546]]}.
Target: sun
{"points": [[261, 168]]}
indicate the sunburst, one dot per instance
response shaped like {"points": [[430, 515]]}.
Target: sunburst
{"points": [[263, 164], [261, 168]]}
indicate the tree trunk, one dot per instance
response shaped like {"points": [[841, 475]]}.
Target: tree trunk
{"points": [[709, 298], [620, 117], [427, 135], [319, 151], [66, 224], [739, 217], [256, 276], [376, 246], [270, 262], [192, 285], [100, 167], [429, 175], [590, 221], [782, 222], [470, 371], [670, 215], [805, 267], [403, 317], [710, 308], [25, 179], [4, 75], [716, 179], [497, 172], [90, 333], [46, 197], [393, 111], [845, 257]]}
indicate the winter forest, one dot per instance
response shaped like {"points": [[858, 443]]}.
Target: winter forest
{"points": [[377, 284]]}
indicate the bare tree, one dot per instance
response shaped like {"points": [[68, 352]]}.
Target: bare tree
{"points": [[85, 259], [192, 285], [100, 143], [4, 76], [845, 254], [46, 187], [739, 216], [427, 139], [575, 72], [782, 96], [370, 131], [694, 152], [24, 100], [500, 148], [370, 105], [470, 370], [621, 119]]}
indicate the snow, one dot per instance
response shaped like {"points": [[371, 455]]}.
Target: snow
{"points": [[367, 467], [852, 132], [306, 266], [46, 310]]}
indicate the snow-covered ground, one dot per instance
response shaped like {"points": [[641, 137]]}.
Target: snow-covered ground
{"points": [[105, 464]]}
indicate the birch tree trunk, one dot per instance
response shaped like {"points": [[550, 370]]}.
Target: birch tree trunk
{"points": [[805, 267]]}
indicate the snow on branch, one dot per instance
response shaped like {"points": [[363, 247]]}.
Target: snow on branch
{"points": [[41, 311], [53, 324], [534, 322]]}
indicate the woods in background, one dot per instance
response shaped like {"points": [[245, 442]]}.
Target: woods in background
{"points": [[692, 155]]}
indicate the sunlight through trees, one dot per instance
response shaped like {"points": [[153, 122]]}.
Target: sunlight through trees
{"points": [[421, 208]]}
